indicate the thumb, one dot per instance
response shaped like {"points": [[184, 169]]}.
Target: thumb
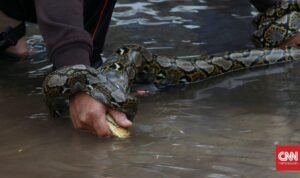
{"points": [[120, 118]]}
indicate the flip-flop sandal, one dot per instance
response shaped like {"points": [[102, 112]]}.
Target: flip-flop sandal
{"points": [[10, 36]]}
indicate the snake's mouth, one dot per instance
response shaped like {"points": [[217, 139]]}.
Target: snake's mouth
{"points": [[294, 41]]}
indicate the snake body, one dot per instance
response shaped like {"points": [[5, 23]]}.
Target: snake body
{"points": [[109, 84], [277, 24]]}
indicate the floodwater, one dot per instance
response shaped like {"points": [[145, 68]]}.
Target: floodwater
{"points": [[225, 127]]}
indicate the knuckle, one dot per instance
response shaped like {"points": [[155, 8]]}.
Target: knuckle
{"points": [[88, 116], [82, 119], [91, 115]]}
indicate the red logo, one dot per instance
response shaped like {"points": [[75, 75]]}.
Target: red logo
{"points": [[287, 158]]}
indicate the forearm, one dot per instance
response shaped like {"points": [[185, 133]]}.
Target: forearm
{"points": [[262, 5], [61, 24]]}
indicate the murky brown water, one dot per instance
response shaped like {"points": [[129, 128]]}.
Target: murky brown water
{"points": [[221, 128]]}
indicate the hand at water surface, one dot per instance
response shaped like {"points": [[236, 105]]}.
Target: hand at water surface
{"points": [[88, 114]]}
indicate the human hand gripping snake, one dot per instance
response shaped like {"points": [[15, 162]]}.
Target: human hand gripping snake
{"points": [[109, 84]]}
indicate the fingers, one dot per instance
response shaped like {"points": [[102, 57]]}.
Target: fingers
{"points": [[100, 126], [88, 114], [93, 123], [120, 118], [96, 123], [80, 123]]}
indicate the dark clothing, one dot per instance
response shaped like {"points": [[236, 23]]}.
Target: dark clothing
{"points": [[262, 5], [74, 30], [19, 9], [62, 25]]}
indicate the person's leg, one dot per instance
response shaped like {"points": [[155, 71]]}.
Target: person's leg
{"points": [[12, 14], [97, 15]]}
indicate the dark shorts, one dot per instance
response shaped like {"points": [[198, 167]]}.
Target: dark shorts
{"points": [[97, 15]]}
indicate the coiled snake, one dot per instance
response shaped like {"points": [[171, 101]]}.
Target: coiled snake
{"points": [[109, 84]]}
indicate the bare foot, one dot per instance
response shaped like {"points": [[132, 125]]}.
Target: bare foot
{"points": [[20, 49]]}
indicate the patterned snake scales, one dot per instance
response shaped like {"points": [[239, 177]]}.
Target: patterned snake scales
{"points": [[109, 84]]}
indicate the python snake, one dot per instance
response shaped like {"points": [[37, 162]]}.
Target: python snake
{"points": [[109, 83]]}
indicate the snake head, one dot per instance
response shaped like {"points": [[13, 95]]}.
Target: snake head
{"points": [[134, 53], [128, 48]]}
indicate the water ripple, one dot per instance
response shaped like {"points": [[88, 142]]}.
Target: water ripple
{"points": [[190, 8], [130, 13], [135, 8]]}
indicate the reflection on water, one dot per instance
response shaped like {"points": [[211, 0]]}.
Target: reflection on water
{"points": [[226, 127]]}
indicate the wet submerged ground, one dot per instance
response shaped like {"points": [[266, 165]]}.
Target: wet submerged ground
{"points": [[226, 127]]}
